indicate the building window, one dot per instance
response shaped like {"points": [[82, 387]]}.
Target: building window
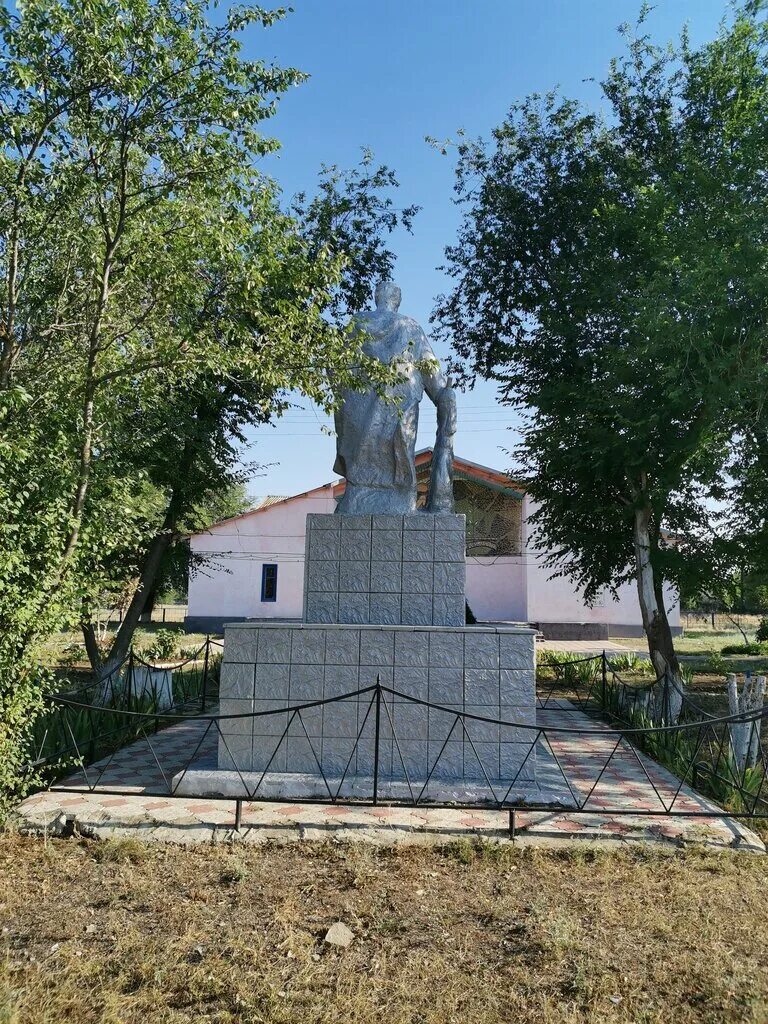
{"points": [[269, 583], [494, 519]]}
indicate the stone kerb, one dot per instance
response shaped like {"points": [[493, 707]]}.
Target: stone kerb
{"points": [[385, 569]]}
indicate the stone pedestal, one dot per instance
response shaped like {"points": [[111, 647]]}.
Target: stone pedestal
{"points": [[384, 602], [483, 671], [385, 570]]}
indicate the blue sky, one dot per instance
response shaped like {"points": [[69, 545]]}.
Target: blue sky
{"points": [[386, 74]]}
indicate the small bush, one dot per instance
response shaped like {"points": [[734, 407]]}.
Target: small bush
{"points": [[461, 850], [631, 662], [745, 649], [572, 669], [163, 644], [73, 654], [233, 873], [716, 663], [125, 850], [687, 675], [762, 632]]}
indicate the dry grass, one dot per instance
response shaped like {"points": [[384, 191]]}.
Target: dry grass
{"points": [[120, 932], [697, 643]]}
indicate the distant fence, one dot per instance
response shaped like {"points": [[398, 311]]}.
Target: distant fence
{"points": [[720, 622], [160, 613]]}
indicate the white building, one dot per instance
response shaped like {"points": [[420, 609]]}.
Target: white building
{"points": [[254, 563]]}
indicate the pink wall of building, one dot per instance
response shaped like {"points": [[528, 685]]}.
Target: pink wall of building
{"points": [[511, 589], [558, 600], [230, 584], [496, 588]]}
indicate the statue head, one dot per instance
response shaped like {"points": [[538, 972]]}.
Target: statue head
{"points": [[387, 296]]}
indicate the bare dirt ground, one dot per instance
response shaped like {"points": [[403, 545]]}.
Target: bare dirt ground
{"points": [[123, 932]]}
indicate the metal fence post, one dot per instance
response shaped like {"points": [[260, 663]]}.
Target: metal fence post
{"points": [[205, 674], [130, 679], [92, 739], [376, 743], [604, 696], [667, 706]]}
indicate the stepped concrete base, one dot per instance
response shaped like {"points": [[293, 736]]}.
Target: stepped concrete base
{"points": [[486, 671]]}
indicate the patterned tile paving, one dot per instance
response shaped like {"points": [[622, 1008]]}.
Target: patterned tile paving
{"points": [[127, 792]]}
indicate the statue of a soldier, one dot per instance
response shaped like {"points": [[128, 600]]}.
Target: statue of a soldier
{"points": [[376, 438]]}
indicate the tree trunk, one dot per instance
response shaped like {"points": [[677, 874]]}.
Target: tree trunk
{"points": [[154, 556], [89, 636], [149, 605], [166, 536], [655, 622], [745, 736]]}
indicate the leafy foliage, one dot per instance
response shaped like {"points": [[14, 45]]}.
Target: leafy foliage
{"points": [[349, 215], [610, 274], [163, 646], [747, 648], [156, 301]]}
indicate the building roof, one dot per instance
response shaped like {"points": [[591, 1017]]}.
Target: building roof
{"points": [[463, 469], [262, 506], [267, 500]]}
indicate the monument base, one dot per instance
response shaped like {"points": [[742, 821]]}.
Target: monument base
{"points": [[481, 671], [212, 783]]}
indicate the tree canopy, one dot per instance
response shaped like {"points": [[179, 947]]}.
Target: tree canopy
{"points": [[610, 274], [156, 297]]}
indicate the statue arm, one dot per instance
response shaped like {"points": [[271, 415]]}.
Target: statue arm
{"points": [[439, 390], [438, 387]]}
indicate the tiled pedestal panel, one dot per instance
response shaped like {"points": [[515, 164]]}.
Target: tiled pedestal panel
{"points": [[486, 671], [383, 569]]}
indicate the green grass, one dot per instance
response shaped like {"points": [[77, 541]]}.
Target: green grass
{"points": [[700, 644], [64, 648]]}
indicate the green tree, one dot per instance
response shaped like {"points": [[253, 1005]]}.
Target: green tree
{"points": [[350, 215], [188, 446], [737, 549], [155, 298], [610, 274]]}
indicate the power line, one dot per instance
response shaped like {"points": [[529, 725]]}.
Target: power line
{"points": [[482, 407], [427, 412], [472, 430]]}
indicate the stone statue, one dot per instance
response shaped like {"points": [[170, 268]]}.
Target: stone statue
{"points": [[376, 438]]}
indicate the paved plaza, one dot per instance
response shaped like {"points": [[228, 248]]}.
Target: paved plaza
{"points": [[130, 794]]}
